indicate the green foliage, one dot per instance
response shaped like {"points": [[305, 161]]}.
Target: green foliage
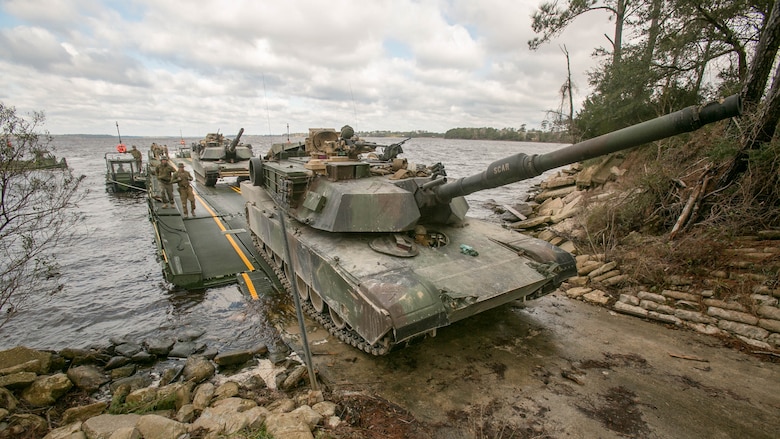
{"points": [[166, 401], [36, 212], [508, 134]]}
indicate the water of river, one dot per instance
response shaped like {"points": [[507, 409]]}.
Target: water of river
{"points": [[114, 285]]}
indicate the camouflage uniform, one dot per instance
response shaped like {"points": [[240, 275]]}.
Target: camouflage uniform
{"points": [[164, 174], [183, 178], [137, 156]]}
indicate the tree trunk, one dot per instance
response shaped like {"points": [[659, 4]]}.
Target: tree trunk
{"points": [[763, 59], [766, 122]]}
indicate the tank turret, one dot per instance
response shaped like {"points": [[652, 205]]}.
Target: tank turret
{"points": [[215, 158], [382, 253]]}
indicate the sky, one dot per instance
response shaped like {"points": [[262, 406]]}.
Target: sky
{"points": [[189, 67]]}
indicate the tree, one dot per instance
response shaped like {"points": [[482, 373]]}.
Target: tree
{"points": [[36, 212], [550, 21]]}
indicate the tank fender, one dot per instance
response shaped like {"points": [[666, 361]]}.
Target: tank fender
{"points": [[552, 259]]}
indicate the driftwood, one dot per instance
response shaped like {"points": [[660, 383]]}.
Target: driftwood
{"points": [[514, 212], [688, 357], [692, 206]]}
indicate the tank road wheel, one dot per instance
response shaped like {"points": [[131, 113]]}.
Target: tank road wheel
{"points": [[211, 180], [316, 300], [338, 322], [303, 289]]}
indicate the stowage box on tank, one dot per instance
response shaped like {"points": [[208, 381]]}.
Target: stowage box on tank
{"points": [[382, 254]]}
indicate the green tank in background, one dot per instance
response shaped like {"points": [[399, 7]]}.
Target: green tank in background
{"points": [[383, 254], [214, 158]]}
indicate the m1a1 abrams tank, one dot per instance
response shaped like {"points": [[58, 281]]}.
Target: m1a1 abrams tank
{"points": [[214, 158], [382, 254]]}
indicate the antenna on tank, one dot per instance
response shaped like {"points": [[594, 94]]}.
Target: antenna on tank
{"points": [[354, 110]]}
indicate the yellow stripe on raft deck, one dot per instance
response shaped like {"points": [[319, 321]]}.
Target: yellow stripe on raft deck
{"points": [[229, 237], [250, 286]]}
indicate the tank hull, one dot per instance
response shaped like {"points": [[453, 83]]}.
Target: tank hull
{"points": [[208, 172], [386, 300]]}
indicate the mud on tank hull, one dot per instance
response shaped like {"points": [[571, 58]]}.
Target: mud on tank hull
{"points": [[376, 301]]}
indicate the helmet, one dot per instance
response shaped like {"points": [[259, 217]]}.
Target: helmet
{"points": [[347, 132], [181, 165]]}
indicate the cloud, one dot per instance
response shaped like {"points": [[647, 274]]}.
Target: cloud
{"points": [[163, 66]]}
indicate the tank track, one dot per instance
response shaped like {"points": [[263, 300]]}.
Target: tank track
{"points": [[346, 335]]}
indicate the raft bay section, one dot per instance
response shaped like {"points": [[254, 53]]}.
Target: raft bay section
{"points": [[212, 248]]}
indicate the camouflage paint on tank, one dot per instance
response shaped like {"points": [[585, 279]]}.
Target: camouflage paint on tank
{"points": [[388, 254]]}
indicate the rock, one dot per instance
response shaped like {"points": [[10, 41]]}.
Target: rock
{"points": [[123, 371], [159, 346], [629, 299], [734, 316], [226, 390], [309, 415], [186, 414], [530, 223], [21, 355], [126, 433], [288, 426], [128, 349], [182, 349], [769, 312], [294, 378], [577, 291], [626, 308], [770, 324], [325, 408], [586, 267], [89, 378], [722, 304], [33, 366], [27, 425], [596, 296], [190, 334], [115, 362], [680, 295], [102, 426], [748, 331], [159, 427], [282, 405], [233, 357], [203, 395], [198, 369], [69, 431], [17, 380], [170, 374], [606, 276], [135, 382], [225, 417], [143, 358], [694, 316], [46, 389], [609, 266], [7, 400], [615, 280], [82, 413]]}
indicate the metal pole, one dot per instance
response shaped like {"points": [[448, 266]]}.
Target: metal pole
{"points": [[298, 310]]}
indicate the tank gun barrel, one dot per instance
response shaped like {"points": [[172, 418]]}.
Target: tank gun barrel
{"points": [[234, 143], [522, 166]]}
